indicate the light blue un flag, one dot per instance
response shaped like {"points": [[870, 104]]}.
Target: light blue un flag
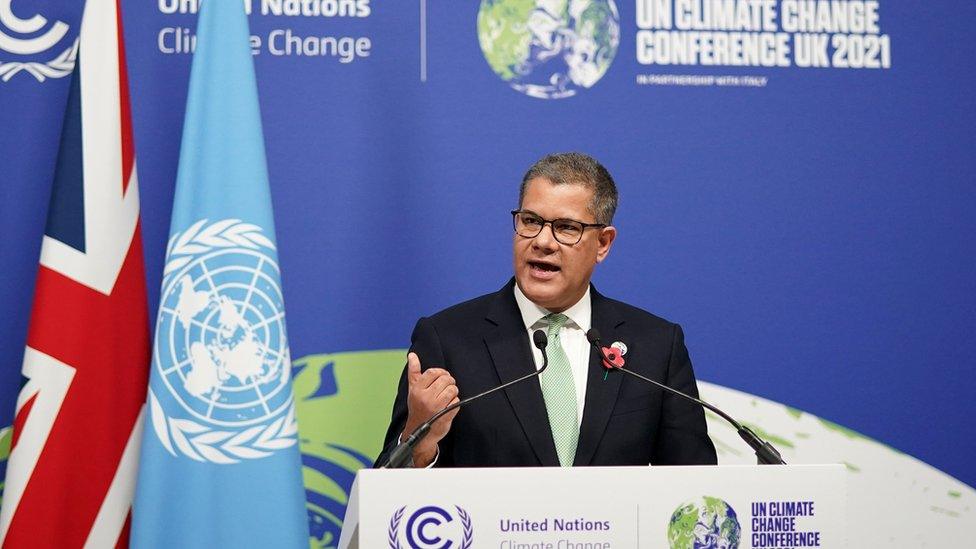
{"points": [[220, 464]]}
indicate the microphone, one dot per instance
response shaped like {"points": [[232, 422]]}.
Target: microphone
{"points": [[766, 454], [401, 455]]}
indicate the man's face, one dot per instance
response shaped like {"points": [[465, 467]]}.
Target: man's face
{"points": [[553, 275]]}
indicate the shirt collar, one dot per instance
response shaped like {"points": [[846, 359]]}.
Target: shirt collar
{"points": [[579, 314]]}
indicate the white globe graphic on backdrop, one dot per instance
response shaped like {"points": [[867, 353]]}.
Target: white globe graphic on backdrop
{"points": [[549, 48], [221, 345]]}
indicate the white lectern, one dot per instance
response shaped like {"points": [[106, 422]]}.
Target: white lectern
{"points": [[598, 508]]}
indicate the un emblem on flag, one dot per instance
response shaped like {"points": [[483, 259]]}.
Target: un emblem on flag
{"points": [[221, 389]]}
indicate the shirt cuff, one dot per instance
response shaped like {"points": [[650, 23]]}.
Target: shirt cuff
{"points": [[437, 454]]}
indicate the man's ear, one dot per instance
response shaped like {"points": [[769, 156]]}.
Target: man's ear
{"points": [[606, 238]]}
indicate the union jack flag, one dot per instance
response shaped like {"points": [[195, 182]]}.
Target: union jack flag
{"points": [[75, 446]]}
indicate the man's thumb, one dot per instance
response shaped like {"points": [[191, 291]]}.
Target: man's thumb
{"points": [[413, 367]]}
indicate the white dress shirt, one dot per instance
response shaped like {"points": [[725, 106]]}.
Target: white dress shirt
{"points": [[572, 336]]}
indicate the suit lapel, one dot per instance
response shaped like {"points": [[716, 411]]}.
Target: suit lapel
{"points": [[600, 394], [508, 344]]}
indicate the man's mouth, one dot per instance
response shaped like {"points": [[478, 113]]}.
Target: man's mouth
{"points": [[543, 266]]}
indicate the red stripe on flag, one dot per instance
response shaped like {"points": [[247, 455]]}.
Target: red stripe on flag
{"points": [[20, 419], [106, 339], [128, 150], [123, 542]]}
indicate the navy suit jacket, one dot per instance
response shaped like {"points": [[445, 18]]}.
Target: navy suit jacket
{"points": [[483, 343]]}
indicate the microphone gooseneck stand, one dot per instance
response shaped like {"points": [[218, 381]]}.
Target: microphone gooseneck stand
{"points": [[766, 454]]}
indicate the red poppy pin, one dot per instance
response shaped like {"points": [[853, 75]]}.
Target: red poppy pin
{"points": [[612, 358]]}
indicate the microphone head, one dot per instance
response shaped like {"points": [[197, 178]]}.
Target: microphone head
{"points": [[593, 336], [540, 340]]}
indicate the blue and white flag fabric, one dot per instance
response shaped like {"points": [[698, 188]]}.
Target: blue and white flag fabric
{"points": [[220, 464]]}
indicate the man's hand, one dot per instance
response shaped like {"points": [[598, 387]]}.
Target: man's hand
{"points": [[428, 393]]}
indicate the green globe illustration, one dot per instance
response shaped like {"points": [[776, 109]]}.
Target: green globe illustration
{"points": [[549, 48], [344, 402], [707, 523]]}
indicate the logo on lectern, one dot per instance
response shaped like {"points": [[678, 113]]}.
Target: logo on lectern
{"points": [[706, 523], [431, 527]]}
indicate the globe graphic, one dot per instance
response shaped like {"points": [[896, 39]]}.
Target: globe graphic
{"points": [[221, 348], [343, 402], [549, 48], [706, 523]]}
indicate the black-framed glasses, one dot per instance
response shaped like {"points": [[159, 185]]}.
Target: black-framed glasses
{"points": [[565, 231]]}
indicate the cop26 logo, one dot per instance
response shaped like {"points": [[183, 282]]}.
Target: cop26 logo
{"points": [[705, 523], [221, 391], [549, 49], [431, 527], [27, 40]]}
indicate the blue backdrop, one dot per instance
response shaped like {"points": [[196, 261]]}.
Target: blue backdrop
{"points": [[813, 235]]}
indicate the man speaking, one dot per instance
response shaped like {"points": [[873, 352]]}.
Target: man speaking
{"points": [[576, 412]]}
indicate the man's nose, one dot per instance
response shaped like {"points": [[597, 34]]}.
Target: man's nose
{"points": [[546, 239]]}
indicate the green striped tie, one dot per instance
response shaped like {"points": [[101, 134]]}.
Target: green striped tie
{"points": [[559, 392]]}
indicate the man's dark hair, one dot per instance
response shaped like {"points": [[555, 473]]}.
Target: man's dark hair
{"points": [[575, 168]]}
